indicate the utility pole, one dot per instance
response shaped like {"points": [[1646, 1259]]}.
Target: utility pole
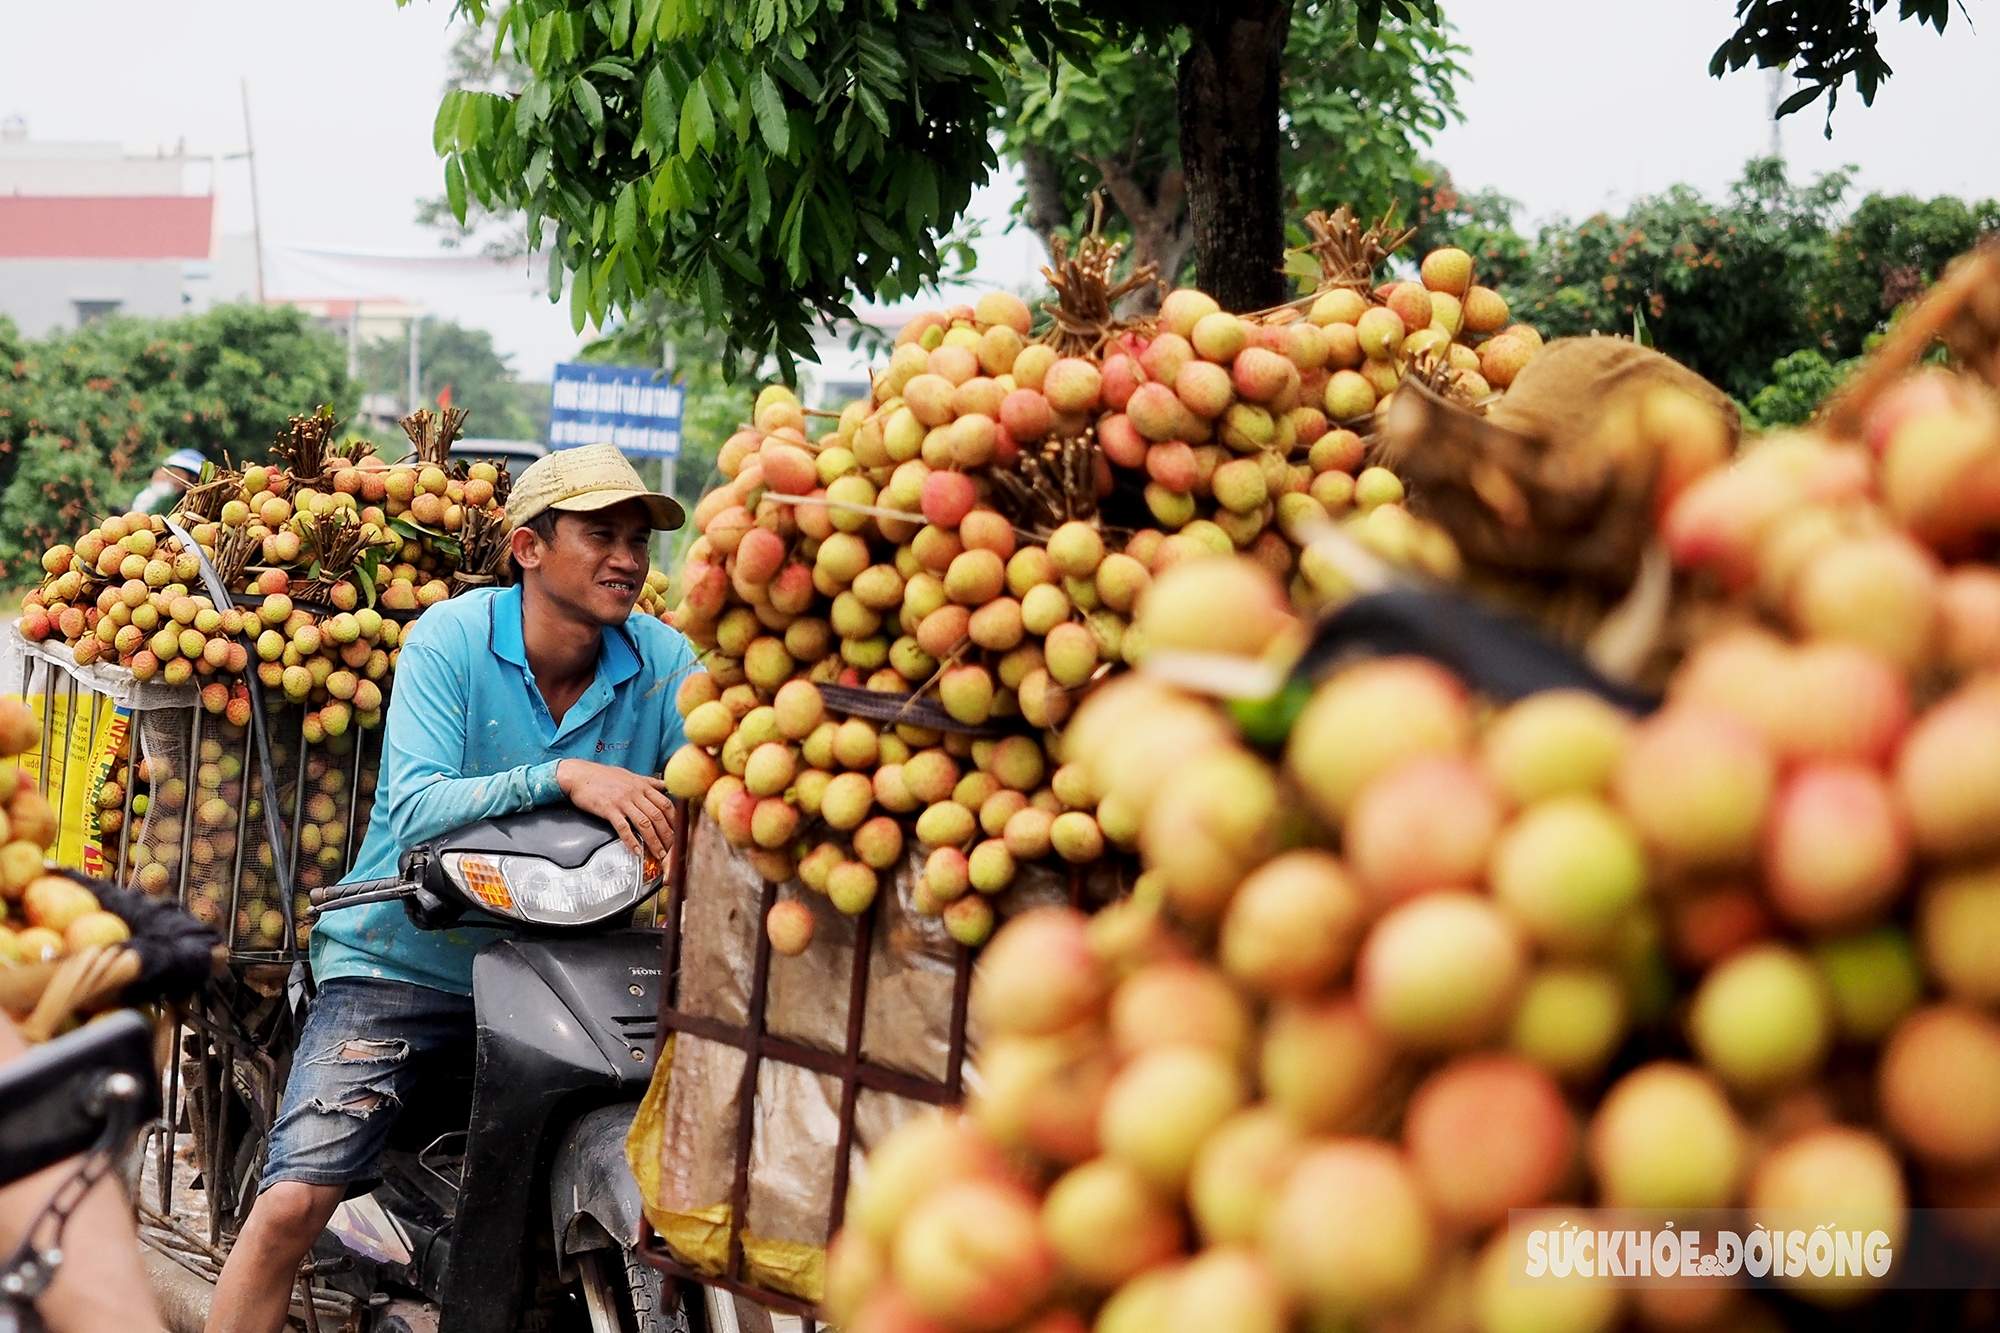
{"points": [[666, 541], [668, 358], [416, 365], [1776, 100], [256, 213]]}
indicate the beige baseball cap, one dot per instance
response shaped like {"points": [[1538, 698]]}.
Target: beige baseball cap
{"points": [[579, 480]]}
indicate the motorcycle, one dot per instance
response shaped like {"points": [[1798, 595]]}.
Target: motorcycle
{"points": [[506, 1201]]}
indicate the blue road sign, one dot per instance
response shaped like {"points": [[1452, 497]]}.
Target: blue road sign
{"points": [[634, 407]]}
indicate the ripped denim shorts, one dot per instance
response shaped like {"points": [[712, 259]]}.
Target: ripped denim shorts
{"points": [[357, 1059]]}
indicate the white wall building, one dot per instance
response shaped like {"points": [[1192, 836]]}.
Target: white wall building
{"points": [[86, 231]]}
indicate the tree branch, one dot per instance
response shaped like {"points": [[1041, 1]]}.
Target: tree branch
{"points": [[1159, 226], [1174, 254], [1044, 213], [1131, 200], [1172, 194]]}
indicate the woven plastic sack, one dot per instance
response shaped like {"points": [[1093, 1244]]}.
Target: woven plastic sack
{"points": [[1537, 486]]}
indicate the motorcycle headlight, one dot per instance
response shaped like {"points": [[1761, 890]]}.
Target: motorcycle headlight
{"points": [[529, 888]]}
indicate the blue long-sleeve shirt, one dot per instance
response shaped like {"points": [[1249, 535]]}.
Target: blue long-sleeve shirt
{"points": [[468, 736]]}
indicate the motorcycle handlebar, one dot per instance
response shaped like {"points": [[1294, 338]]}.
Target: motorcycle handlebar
{"points": [[335, 896]]}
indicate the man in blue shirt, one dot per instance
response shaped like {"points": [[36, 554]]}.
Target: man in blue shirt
{"points": [[503, 701]]}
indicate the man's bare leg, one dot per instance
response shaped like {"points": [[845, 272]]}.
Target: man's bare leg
{"points": [[255, 1289]]}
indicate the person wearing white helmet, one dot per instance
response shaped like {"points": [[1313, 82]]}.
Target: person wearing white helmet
{"points": [[180, 470]]}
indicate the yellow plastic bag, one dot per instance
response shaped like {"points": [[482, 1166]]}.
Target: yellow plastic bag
{"points": [[700, 1238], [100, 853], [77, 758]]}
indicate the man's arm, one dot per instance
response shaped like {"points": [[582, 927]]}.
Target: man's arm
{"points": [[423, 791]]}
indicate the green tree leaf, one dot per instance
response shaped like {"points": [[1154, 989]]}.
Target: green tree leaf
{"points": [[625, 217], [716, 78], [543, 35], [770, 108], [795, 72], [644, 25], [468, 120], [665, 197], [760, 195], [444, 130], [588, 101], [660, 118], [454, 187], [709, 284], [697, 122]]}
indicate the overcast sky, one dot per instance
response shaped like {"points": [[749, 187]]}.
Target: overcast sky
{"points": [[1572, 106], [1579, 105]]}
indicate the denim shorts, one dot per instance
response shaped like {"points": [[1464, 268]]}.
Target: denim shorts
{"points": [[358, 1057]]}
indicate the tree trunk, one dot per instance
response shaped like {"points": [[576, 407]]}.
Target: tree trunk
{"points": [[1229, 147], [1043, 186]]}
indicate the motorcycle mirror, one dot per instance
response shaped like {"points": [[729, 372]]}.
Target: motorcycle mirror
{"points": [[58, 1099], [430, 911]]}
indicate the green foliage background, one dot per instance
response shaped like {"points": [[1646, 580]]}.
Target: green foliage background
{"points": [[1768, 292], [87, 414], [714, 405]]}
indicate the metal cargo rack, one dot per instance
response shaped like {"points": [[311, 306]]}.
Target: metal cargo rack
{"points": [[853, 1071]]}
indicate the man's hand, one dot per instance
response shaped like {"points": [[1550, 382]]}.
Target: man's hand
{"points": [[637, 806]]}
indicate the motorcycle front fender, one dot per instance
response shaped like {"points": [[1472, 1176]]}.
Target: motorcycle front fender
{"points": [[593, 1199]]}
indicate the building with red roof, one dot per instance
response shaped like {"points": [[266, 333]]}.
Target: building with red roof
{"points": [[86, 231]]}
